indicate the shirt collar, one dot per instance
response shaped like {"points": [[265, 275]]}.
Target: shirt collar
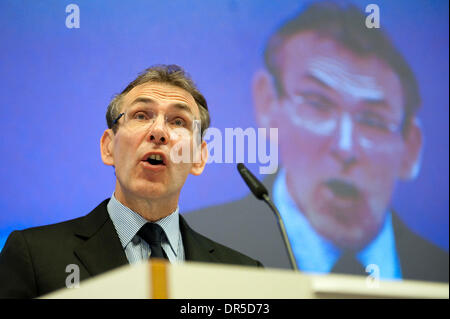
{"points": [[317, 254], [128, 223]]}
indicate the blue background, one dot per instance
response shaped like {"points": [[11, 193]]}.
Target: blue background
{"points": [[56, 84]]}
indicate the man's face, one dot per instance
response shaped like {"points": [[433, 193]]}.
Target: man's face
{"points": [[339, 118], [141, 149]]}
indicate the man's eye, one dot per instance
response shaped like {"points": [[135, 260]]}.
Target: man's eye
{"points": [[179, 122], [319, 105], [141, 116], [318, 102], [374, 121]]}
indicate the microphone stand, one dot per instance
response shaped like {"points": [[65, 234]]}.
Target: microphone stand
{"points": [[287, 244], [261, 193]]}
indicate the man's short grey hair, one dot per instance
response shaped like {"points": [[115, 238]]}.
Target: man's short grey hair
{"points": [[167, 74]]}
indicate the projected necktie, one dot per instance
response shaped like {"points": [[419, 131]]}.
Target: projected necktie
{"points": [[349, 265], [152, 234]]}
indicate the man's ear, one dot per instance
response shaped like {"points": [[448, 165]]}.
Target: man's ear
{"points": [[107, 147], [265, 99], [198, 167], [412, 158]]}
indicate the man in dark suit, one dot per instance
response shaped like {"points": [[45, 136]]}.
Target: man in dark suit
{"points": [[153, 141], [344, 101]]}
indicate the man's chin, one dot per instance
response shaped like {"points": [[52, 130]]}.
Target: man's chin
{"points": [[342, 214], [150, 190], [347, 236], [347, 242], [152, 193]]}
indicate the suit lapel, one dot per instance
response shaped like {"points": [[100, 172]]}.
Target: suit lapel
{"points": [[101, 251], [408, 247], [196, 247]]}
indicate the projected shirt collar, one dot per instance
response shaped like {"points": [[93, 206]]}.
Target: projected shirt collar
{"points": [[316, 254]]}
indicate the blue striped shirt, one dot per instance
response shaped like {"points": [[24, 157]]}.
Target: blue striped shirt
{"points": [[128, 223]]}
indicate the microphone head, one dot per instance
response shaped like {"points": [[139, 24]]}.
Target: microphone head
{"points": [[257, 188]]}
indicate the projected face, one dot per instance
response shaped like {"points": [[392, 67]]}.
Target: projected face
{"points": [[157, 119], [340, 120]]}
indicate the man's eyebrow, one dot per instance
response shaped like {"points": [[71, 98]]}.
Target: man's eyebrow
{"points": [[371, 101], [142, 99], [377, 103], [147, 100], [318, 81], [182, 107]]}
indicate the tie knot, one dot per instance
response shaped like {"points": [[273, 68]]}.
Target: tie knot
{"points": [[152, 233]]}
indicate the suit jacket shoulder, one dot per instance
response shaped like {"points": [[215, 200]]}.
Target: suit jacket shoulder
{"points": [[419, 258], [202, 249], [247, 225], [41, 255]]}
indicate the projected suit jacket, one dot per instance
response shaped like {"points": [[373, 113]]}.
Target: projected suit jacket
{"points": [[33, 261], [250, 226]]}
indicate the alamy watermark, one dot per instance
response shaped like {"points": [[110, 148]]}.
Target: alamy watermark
{"points": [[373, 279], [73, 279], [233, 145], [373, 19], [73, 17]]}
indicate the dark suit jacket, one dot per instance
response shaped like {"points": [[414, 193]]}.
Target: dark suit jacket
{"points": [[250, 225], [33, 261]]}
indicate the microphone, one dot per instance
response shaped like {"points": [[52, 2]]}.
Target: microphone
{"points": [[260, 192]]}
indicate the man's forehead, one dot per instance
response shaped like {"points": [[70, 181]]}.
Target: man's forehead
{"points": [[162, 93], [300, 49], [309, 54]]}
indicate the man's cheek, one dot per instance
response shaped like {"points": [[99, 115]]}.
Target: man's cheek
{"points": [[377, 178], [381, 165], [382, 151], [303, 148], [306, 162], [181, 151]]}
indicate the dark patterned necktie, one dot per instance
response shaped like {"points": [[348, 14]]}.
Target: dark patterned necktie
{"points": [[348, 264], [152, 234]]}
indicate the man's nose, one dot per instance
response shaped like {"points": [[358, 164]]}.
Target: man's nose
{"points": [[158, 131], [344, 148]]}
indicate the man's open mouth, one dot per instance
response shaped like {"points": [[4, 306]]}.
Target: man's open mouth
{"points": [[343, 189], [155, 159]]}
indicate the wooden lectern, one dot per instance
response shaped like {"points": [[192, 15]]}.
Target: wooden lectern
{"points": [[161, 280]]}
